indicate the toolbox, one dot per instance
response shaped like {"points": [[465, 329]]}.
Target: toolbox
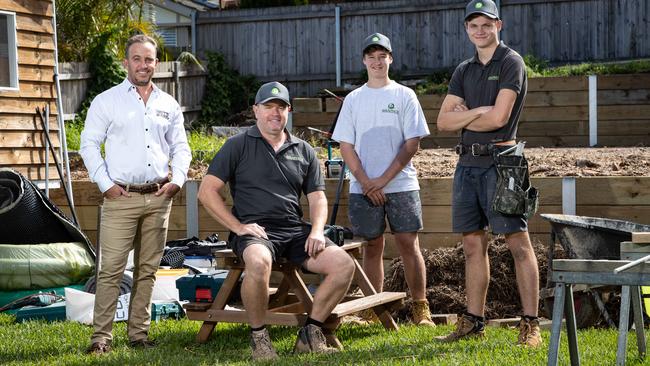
{"points": [[201, 287], [161, 310], [54, 312]]}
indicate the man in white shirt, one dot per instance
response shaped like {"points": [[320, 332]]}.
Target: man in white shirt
{"points": [[379, 130], [142, 129]]}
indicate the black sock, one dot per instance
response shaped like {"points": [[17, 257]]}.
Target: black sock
{"points": [[529, 318], [314, 322], [258, 328], [475, 317]]}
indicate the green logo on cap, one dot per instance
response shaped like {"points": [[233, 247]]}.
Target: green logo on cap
{"points": [[478, 5], [275, 91], [375, 39], [391, 106]]}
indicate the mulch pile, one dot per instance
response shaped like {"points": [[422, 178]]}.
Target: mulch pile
{"points": [[446, 280]]}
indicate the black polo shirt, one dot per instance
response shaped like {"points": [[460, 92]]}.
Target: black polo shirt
{"points": [[265, 185], [479, 86]]}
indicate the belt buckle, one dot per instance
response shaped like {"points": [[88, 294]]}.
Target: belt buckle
{"points": [[476, 149]]}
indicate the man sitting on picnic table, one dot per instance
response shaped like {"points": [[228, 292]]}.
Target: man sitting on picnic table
{"points": [[268, 169]]}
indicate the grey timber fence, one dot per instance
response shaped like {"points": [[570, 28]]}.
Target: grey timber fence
{"points": [[297, 45]]}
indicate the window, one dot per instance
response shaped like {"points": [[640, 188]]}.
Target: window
{"points": [[169, 36], [8, 53]]}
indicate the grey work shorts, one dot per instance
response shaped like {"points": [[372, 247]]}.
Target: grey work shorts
{"points": [[403, 210], [471, 204]]}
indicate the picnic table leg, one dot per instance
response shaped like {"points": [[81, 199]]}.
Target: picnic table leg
{"points": [[623, 323], [280, 297], [556, 327], [329, 330], [638, 320], [571, 328], [367, 289], [298, 285], [219, 303]]}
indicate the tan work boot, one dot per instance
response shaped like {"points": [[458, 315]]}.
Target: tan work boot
{"points": [[529, 333], [420, 314], [262, 346], [364, 317], [311, 339], [466, 328]]}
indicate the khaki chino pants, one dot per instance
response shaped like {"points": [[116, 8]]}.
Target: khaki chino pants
{"points": [[138, 222]]}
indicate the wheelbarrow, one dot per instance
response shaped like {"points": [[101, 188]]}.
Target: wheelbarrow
{"points": [[583, 237]]}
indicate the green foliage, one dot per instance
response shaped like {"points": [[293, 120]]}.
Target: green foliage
{"points": [[436, 83], [540, 68], [62, 343], [204, 147], [73, 135], [226, 92], [270, 3], [81, 22], [105, 69]]}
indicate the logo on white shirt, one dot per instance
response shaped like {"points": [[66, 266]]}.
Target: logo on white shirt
{"points": [[390, 109], [162, 114]]}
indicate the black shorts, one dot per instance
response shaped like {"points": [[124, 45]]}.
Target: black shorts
{"points": [[286, 242]]}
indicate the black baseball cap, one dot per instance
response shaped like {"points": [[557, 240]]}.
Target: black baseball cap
{"points": [[270, 91], [483, 7], [377, 39]]}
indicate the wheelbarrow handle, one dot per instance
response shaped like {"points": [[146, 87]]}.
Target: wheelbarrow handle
{"points": [[632, 264]]}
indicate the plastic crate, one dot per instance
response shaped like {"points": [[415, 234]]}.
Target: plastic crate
{"points": [[201, 287]]}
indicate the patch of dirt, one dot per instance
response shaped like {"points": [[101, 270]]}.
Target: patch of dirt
{"points": [[551, 162], [543, 162], [446, 280]]}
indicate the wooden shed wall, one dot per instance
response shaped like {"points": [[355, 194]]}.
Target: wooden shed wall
{"points": [[22, 142]]}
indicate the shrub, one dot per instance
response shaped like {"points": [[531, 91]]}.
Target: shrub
{"points": [[226, 92]]}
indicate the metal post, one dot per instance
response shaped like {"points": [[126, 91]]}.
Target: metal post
{"points": [[59, 116], [193, 30], [593, 110], [337, 16], [192, 208], [568, 196]]}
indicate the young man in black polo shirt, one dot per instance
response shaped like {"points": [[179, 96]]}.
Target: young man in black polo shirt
{"points": [[268, 170], [486, 95]]}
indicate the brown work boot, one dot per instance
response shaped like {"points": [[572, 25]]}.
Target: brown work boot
{"points": [[420, 313], [262, 346], [99, 348], [529, 333], [466, 327], [311, 339]]}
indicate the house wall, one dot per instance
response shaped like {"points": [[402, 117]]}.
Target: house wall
{"points": [[22, 140]]}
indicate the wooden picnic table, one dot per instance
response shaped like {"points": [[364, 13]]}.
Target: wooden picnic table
{"points": [[291, 302]]}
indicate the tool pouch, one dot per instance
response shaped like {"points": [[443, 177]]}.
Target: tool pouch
{"points": [[514, 194]]}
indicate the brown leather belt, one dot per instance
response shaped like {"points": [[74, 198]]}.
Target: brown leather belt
{"points": [[143, 188]]}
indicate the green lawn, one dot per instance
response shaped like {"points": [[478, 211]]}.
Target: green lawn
{"points": [[63, 343]]}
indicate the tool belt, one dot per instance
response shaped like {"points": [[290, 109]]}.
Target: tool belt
{"points": [[514, 194], [143, 188], [474, 149]]}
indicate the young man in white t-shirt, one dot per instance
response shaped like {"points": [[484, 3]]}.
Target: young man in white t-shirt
{"points": [[379, 130]]}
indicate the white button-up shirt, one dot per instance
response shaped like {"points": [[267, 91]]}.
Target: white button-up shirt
{"points": [[140, 140]]}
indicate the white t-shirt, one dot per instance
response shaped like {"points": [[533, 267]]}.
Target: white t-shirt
{"points": [[377, 121]]}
